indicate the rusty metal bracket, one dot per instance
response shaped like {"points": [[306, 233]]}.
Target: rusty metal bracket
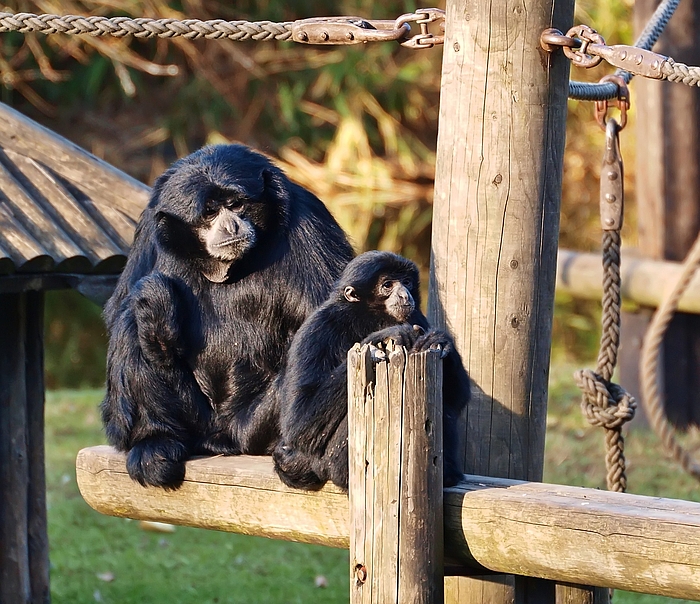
{"points": [[423, 17], [587, 48], [612, 192], [622, 102], [346, 30]]}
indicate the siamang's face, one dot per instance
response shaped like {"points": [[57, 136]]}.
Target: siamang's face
{"points": [[392, 296], [215, 206], [394, 292], [227, 227]]}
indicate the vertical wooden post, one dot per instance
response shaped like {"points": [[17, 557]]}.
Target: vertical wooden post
{"points": [[668, 186], [24, 562], [395, 451], [495, 229]]}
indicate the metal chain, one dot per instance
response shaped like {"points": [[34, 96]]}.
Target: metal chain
{"points": [[604, 403], [325, 30], [586, 91]]}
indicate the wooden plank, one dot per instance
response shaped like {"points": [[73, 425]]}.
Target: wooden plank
{"points": [[15, 584], [95, 287], [421, 543], [96, 178], [37, 531], [555, 532]]}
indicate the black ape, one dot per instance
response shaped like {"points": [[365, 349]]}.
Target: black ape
{"points": [[228, 260], [376, 299]]}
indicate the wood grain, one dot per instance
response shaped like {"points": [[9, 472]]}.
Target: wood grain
{"points": [[568, 534]]}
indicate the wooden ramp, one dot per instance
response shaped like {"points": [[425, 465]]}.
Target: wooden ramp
{"points": [[567, 534]]}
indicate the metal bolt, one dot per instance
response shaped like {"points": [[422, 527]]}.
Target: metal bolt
{"points": [[324, 36], [609, 222], [612, 175], [304, 36], [639, 59], [623, 55], [361, 573], [610, 198], [456, 46], [513, 264], [655, 65], [514, 322], [350, 36]]}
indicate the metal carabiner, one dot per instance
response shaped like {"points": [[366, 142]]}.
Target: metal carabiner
{"points": [[423, 17], [622, 102]]}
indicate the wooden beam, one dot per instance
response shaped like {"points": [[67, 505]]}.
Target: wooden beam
{"points": [[498, 180], [395, 444], [567, 534], [644, 281]]}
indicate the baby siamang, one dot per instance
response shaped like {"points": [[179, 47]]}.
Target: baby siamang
{"points": [[228, 260], [376, 299]]}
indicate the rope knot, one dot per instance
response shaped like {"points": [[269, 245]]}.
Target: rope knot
{"points": [[604, 403]]}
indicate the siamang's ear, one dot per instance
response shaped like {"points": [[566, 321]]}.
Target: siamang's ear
{"points": [[158, 185], [350, 294]]}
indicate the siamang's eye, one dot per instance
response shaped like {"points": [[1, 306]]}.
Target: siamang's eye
{"points": [[235, 203], [387, 285], [210, 210]]}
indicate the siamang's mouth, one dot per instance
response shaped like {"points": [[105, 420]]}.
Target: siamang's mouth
{"points": [[225, 243], [403, 311]]}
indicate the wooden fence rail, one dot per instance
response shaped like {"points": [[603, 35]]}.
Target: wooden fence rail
{"points": [[567, 534]]}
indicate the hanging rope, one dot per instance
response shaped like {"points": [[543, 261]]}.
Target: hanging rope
{"points": [[604, 403], [650, 371]]}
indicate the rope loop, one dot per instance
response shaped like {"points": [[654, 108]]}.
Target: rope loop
{"points": [[604, 403]]}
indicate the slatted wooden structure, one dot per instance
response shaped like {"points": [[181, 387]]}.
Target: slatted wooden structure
{"points": [[66, 220]]}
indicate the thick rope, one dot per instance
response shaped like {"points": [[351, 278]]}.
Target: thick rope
{"points": [[649, 365], [191, 29], [604, 403], [678, 72], [585, 91]]}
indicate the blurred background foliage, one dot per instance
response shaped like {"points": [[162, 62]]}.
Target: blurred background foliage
{"points": [[356, 124]]}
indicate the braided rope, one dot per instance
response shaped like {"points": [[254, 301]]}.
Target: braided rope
{"points": [[678, 72], [649, 365], [604, 403], [192, 29]]}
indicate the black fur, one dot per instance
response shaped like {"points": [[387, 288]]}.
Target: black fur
{"points": [[196, 340], [313, 401]]}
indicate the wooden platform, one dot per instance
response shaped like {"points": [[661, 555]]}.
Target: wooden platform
{"points": [[567, 534]]}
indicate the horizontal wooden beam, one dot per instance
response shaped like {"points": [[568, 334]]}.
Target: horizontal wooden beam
{"points": [[644, 282], [568, 534]]}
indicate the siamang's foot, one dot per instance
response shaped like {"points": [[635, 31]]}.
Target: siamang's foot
{"points": [[158, 462], [435, 339], [295, 468]]}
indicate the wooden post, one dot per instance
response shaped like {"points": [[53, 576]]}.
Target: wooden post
{"points": [[668, 187], [495, 228], [396, 505], [24, 563]]}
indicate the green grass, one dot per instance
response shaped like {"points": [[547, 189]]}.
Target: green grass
{"points": [[193, 566]]}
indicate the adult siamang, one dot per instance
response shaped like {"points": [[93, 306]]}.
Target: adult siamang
{"points": [[228, 260], [375, 299]]}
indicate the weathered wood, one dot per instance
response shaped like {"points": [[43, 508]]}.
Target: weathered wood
{"points": [[15, 584], [568, 534], [574, 594], [668, 187], [97, 178], [395, 448], [495, 224], [38, 538], [235, 494], [644, 281]]}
